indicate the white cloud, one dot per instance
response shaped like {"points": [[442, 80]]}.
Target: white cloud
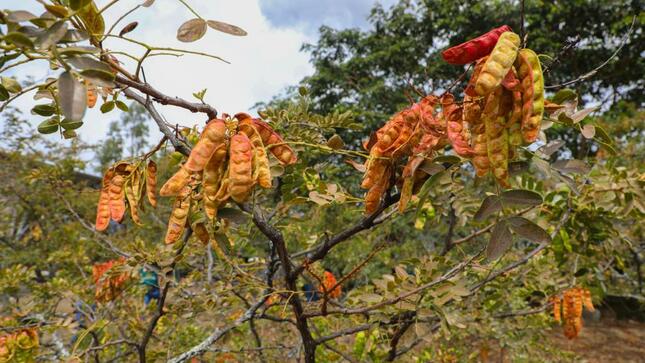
{"points": [[262, 63]]}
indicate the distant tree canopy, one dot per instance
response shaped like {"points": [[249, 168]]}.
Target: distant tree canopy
{"points": [[371, 71]]}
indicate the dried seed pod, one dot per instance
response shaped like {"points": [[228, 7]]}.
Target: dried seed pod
{"points": [[329, 281], [481, 159], [514, 96], [213, 174], [470, 87], [474, 49], [275, 143], [213, 135], [240, 168], [261, 168], [178, 216], [176, 183], [92, 94], [497, 145], [117, 197], [375, 193], [151, 183], [103, 207], [498, 63], [456, 132], [132, 197], [532, 85], [406, 193], [557, 307], [374, 171], [586, 299]]}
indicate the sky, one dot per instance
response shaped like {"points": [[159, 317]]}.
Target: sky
{"points": [[263, 63]]}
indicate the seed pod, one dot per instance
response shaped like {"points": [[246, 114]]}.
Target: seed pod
{"points": [[117, 198], [133, 199], [213, 174], [532, 85], [178, 216], [329, 281], [556, 308], [474, 49], [213, 135], [176, 183], [240, 168], [586, 300], [151, 183], [201, 232], [103, 207], [261, 168], [470, 87], [374, 171], [375, 193], [498, 63], [406, 193], [275, 143], [456, 132], [92, 95], [497, 144]]}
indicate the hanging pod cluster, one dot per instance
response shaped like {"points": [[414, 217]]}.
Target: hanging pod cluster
{"points": [[228, 160], [123, 186], [501, 110], [568, 309], [18, 345]]}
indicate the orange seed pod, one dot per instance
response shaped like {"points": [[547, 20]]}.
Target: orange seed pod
{"points": [[261, 169], [532, 85], [213, 135], [178, 216], [103, 207], [151, 183], [275, 143], [240, 168], [498, 64], [176, 183], [213, 174], [92, 95], [117, 198]]}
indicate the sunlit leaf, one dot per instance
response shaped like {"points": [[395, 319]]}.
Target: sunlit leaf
{"points": [[563, 95], [121, 106], [107, 106], [191, 30], [93, 21], [48, 126], [11, 85], [72, 95], [226, 28], [78, 4], [57, 10]]}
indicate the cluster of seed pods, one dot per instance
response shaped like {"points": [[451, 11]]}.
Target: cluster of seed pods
{"points": [[568, 309], [501, 110], [108, 287], [229, 159]]}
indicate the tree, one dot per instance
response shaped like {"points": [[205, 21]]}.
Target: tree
{"points": [[270, 250]]}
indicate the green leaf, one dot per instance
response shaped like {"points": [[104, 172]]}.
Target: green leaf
{"points": [[83, 63], [563, 95], [19, 40], [93, 21], [78, 4], [71, 124], [191, 30], [424, 192], [70, 51], [99, 77], [48, 126], [528, 229], [491, 204], [53, 35], [121, 106], [69, 134], [57, 10], [11, 85], [226, 28], [520, 197], [571, 166], [232, 214], [4, 94], [43, 110], [73, 96], [107, 106], [500, 241]]}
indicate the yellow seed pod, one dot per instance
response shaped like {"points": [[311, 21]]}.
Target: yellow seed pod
{"points": [[213, 174], [178, 216], [132, 197], [261, 168], [532, 87], [176, 183], [240, 168], [498, 63]]}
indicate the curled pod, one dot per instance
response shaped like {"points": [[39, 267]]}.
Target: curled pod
{"points": [[387, 135], [213, 135], [532, 85], [92, 94], [151, 183], [212, 178], [498, 63], [374, 171], [275, 143], [240, 168], [103, 206], [117, 197], [456, 133], [178, 216], [261, 168], [474, 49], [176, 183], [376, 192], [470, 87]]}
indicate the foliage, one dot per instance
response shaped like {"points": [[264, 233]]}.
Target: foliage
{"points": [[298, 269]]}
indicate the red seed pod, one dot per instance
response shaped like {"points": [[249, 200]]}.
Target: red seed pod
{"points": [[474, 49], [456, 133]]}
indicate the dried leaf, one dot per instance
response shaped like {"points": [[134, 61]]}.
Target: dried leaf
{"points": [[335, 142], [148, 3], [528, 230], [128, 28], [551, 147], [356, 165], [191, 30], [571, 166], [492, 204], [580, 115], [226, 28]]}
